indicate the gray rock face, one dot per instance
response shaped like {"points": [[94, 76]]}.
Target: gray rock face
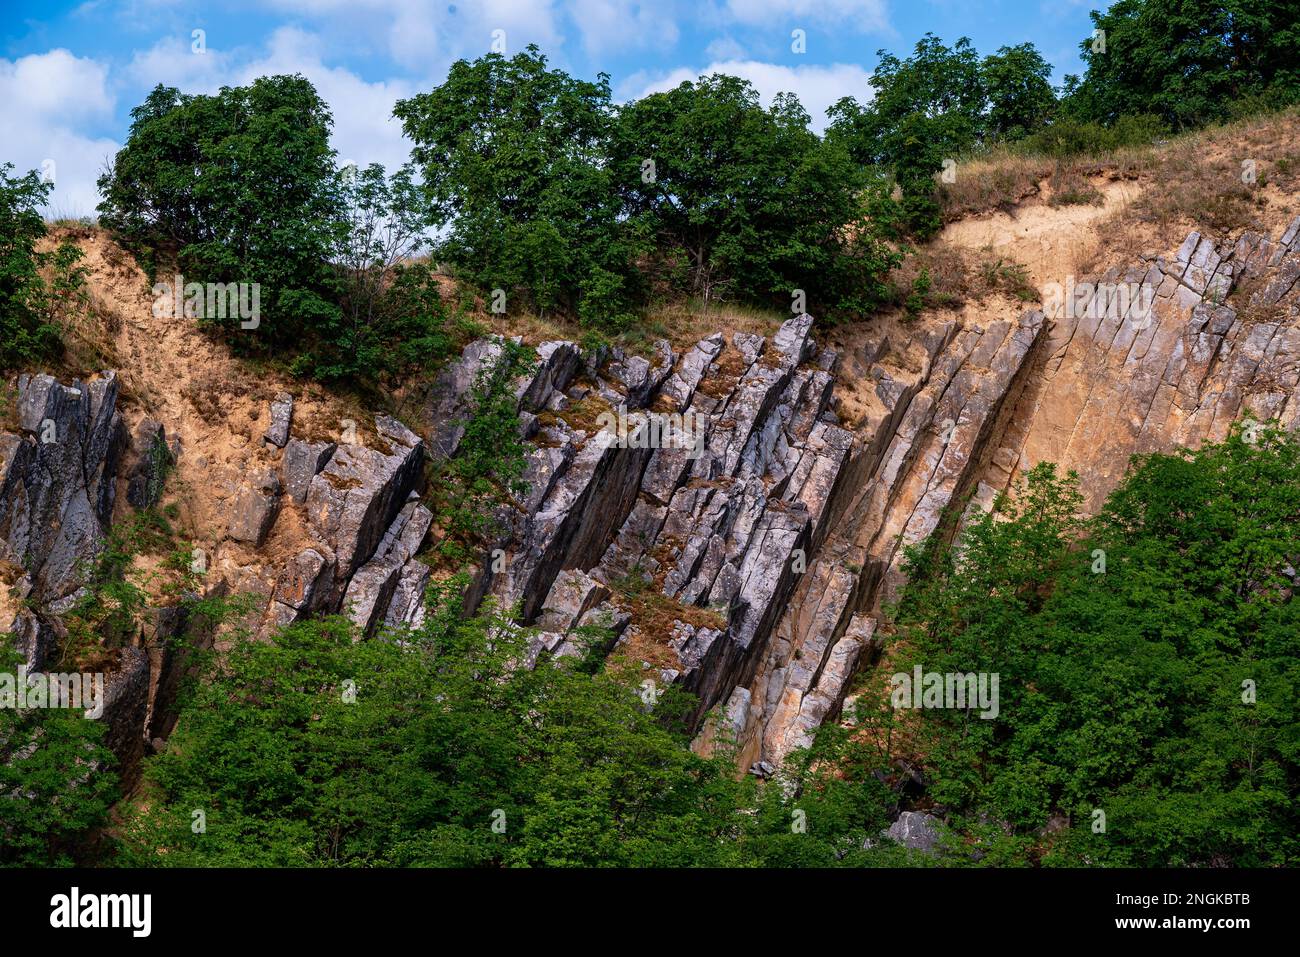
{"points": [[277, 433], [639, 377], [715, 495], [370, 591], [57, 480], [451, 396], [255, 509], [353, 500], [302, 462], [573, 523], [126, 711], [915, 830], [33, 638], [306, 582], [389, 588], [448, 402]]}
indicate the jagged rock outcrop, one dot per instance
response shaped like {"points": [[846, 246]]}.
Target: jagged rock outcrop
{"points": [[57, 481], [918, 451], [1115, 381], [277, 433], [301, 463], [711, 491], [915, 830], [354, 499], [710, 512], [59, 477]]}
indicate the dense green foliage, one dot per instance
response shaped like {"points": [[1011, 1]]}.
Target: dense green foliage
{"points": [[237, 188], [562, 201], [1149, 663], [1188, 61], [934, 106], [738, 200], [242, 187], [57, 781], [546, 196], [316, 750], [39, 291], [512, 154]]}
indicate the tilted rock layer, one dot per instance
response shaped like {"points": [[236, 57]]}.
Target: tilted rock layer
{"points": [[709, 510]]}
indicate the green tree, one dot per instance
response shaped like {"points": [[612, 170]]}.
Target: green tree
{"points": [[437, 749], [1188, 61], [237, 187], [1020, 96], [1147, 663], [746, 202], [925, 109], [513, 160], [391, 318], [57, 782], [28, 305]]}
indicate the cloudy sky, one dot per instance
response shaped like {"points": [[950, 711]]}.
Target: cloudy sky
{"points": [[71, 72]]}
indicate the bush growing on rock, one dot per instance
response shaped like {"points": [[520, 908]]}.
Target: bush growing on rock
{"points": [[40, 292], [242, 187]]}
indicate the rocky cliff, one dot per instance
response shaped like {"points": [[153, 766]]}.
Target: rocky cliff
{"points": [[715, 509]]}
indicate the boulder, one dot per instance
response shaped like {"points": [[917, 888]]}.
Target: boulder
{"points": [[355, 497], [302, 462], [277, 433], [256, 506], [915, 830]]}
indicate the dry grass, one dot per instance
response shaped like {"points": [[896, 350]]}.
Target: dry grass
{"points": [[721, 383], [945, 269], [1072, 188], [682, 323], [655, 616], [1198, 174], [583, 415], [1002, 179]]}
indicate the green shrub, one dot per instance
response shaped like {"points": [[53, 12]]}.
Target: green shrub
{"points": [[29, 307]]}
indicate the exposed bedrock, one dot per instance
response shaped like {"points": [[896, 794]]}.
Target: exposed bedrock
{"points": [[59, 482], [772, 533], [711, 509]]}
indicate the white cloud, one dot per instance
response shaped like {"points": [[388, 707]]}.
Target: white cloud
{"points": [[47, 101], [425, 36], [725, 48], [173, 62], [364, 128], [817, 87], [610, 25], [865, 15]]}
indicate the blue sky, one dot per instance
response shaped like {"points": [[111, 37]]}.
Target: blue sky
{"points": [[70, 72]]}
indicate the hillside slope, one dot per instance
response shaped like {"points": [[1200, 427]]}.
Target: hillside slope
{"points": [[749, 567]]}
